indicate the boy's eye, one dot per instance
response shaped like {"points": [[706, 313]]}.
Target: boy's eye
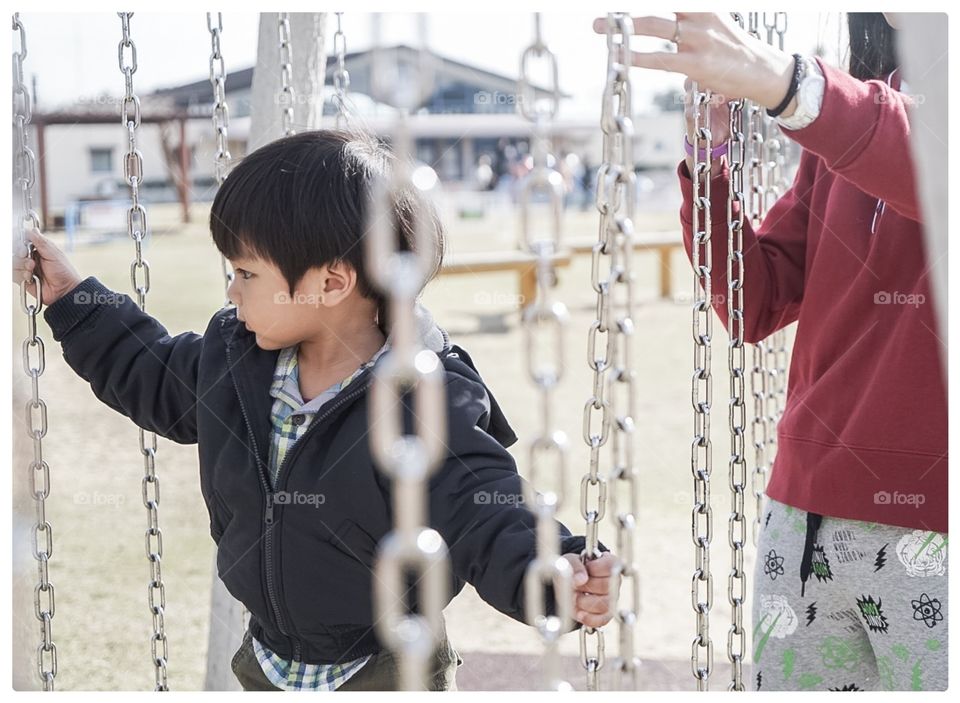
{"points": [[243, 273]]}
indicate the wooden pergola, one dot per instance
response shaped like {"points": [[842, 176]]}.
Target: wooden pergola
{"points": [[179, 165]]}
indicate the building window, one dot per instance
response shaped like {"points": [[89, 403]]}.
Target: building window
{"points": [[101, 160]]}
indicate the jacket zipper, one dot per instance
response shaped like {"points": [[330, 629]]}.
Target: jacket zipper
{"points": [[296, 446], [326, 412], [268, 520], [268, 512]]}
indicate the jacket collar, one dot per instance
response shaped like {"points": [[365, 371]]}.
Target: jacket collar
{"points": [[253, 367]]}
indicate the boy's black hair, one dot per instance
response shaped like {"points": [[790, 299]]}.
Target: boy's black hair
{"points": [[873, 45], [301, 202]]}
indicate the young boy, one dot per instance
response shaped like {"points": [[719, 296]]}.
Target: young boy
{"points": [[275, 395]]}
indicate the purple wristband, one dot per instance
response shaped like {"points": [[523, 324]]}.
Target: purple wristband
{"points": [[714, 153]]}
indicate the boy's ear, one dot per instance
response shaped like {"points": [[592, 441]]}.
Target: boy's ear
{"points": [[338, 280]]}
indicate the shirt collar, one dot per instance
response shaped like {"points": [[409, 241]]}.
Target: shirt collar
{"points": [[286, 378]]}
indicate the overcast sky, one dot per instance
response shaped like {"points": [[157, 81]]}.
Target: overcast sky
{"points": [[75, 55]]}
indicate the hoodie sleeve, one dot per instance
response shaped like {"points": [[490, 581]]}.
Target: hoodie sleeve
{"points": [[863, 134], [477, 505], [128, 358]]}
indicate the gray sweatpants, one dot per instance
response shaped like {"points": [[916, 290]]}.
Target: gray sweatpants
{"points": [[844, 605]]}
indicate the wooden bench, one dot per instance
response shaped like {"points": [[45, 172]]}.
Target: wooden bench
{"points": [[662, 242], [524, 264]]}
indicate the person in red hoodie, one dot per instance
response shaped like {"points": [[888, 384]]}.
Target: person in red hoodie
{"points": [[858, 492]]}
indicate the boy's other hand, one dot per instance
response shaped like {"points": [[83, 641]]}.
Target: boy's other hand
{"points": [[57, 274], [595, 596]]}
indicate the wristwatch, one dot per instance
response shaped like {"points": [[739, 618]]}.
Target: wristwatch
{"points": [[809, 96]]}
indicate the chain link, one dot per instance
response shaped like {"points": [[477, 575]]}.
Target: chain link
{"points": [[775, 181], [759, 429], [341, 77], [773, 350], [411, 550], [759, 377], [287, 97], [616, 188], [702, 390], [737, 409], [547, 317], [137, 230], [221, 121], [34, 363]]}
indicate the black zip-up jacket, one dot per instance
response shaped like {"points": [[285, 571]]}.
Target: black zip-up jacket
{"points": [[302, 566]]}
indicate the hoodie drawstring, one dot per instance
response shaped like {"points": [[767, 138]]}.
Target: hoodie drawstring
{"points": [[806, 561]]}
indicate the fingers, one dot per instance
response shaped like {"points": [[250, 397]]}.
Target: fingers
{"points": [[591, 603], [44, 246], [660, 61], [28, 269], [594, 619], [24, 268], [648, 26], [580, 574], [599, 586], [602, 565]]}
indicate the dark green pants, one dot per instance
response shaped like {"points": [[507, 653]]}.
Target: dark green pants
{"points": [[380, 673]]}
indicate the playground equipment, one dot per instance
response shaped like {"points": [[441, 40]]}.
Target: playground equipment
{"points": [[758, 176]]}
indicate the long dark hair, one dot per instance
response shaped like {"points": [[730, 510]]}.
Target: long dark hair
{"points": [[873, 45]]}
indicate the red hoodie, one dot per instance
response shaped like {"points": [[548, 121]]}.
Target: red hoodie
{"points": [[864, 431]]}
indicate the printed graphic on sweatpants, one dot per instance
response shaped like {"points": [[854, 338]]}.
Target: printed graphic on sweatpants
{"points": [[846, 605]]}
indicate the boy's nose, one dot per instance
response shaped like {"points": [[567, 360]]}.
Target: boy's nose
{"points": [[231, 293]]}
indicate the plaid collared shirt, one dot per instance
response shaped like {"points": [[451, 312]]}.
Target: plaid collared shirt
{"points": [[290, 418]]}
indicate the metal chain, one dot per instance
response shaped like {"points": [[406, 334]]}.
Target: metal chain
{"points": [[759, 433], [760, 376], [776, 23], [341, 77], [411, 550], [775, 184], [737, 409], [702, 389], [616, 187], [775, 146], [287, 97], [755, 132], [36, 409], [545, 316], [780, 355], [137, 229], [221, 120]]}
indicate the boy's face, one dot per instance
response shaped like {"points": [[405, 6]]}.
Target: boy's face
{"points": [[279, 319]]}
